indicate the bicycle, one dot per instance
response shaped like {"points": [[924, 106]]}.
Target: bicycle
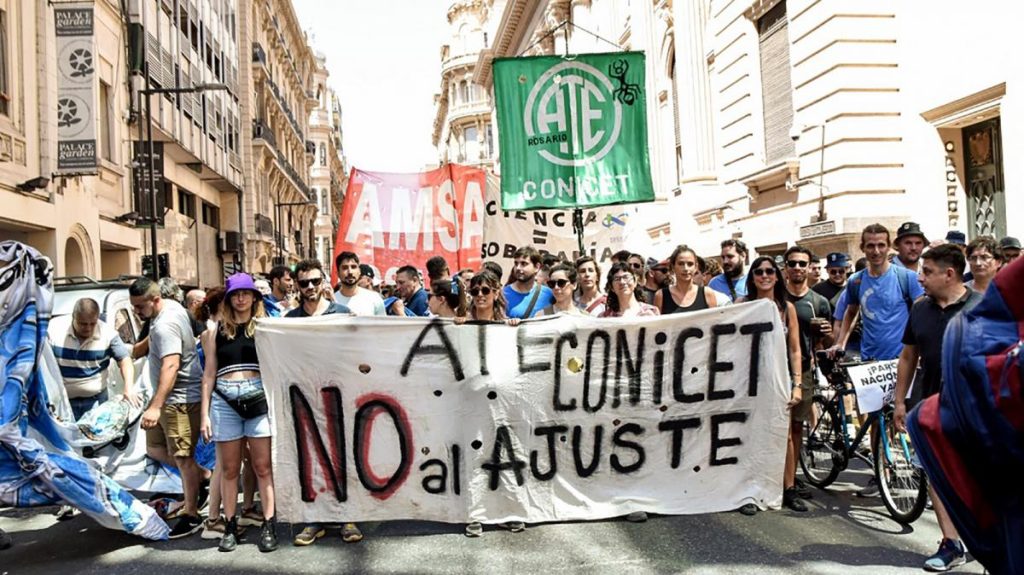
{"points": [[826, 448]]}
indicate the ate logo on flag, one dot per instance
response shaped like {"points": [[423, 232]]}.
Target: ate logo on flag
{"points": [[590, 96], [572, 131]]}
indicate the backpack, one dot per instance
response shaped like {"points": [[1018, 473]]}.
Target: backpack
{"points": [[902, 276]]}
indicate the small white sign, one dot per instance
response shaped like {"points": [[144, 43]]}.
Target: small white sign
{"points": [[875, 384]]}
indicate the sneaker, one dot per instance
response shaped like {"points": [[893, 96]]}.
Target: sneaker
{"points": [[186, 525], [214, 528], [5, 540], [350, 533], [803, 490], [229, 541], [250, 517], [637, 517], [792, 500], [514, 526], [871, 490], [267, 541], [950, 554], [749, 509], [309, 535], [474, 529], [65, 512]]}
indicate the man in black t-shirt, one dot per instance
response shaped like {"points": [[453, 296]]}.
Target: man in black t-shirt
{"points": [[942, 270], [813, 313]]}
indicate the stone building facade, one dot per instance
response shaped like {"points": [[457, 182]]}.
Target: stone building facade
{"points": [[76, 220], [328, 176], [784, 121], [463, 129], [279, 96], [191, 45]]}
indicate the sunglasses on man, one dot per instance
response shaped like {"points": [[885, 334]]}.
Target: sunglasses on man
{"points": [[796, 263], [315, 282]]}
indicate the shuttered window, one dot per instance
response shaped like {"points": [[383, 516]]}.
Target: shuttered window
{"points": [[776, 86]]}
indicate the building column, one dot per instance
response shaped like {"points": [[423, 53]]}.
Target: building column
{"points": [[696, 130], [642, 38]]}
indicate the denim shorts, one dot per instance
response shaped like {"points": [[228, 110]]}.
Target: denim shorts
{"points": [[227, 424]]}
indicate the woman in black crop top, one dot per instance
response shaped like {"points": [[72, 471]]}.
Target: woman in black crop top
{"points": [[765, 282], [232, 410], [685, 295]]}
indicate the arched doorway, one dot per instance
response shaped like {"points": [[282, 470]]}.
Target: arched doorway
{"points": [[74, 259]]}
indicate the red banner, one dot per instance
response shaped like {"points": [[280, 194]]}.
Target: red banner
{"points": [[391, 220]]}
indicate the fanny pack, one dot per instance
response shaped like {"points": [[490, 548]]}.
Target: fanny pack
{"points": [[248, 406]]}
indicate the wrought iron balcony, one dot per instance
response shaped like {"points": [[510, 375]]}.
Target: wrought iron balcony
{"points": [[258, 54], [262, 131]]}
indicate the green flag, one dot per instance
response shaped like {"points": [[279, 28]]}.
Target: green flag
{"points": [[572, 131]]}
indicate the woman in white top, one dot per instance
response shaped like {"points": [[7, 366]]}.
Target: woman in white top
{"points": [[562, 281], [588, 290]]}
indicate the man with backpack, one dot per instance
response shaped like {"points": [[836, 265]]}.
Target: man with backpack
{"points": [[883, 294]]}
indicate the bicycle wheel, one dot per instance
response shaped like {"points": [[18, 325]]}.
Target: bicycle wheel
{"points": [[821, 447], [903, 487]]}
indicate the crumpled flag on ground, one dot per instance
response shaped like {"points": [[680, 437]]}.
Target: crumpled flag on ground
{"points": [[970, 438], [37, 466]]}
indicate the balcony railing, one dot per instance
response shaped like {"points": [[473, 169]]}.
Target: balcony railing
{"points": [[293, 174], [261, 131], [284, 105], [258, 54]]}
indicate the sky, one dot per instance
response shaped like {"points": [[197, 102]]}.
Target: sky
{"points": [[384, 59]]}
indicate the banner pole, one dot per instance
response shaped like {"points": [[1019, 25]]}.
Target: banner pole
{"points": [[577, 212]]}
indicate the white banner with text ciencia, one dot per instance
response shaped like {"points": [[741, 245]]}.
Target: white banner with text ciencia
{"points": [[561, 419]]}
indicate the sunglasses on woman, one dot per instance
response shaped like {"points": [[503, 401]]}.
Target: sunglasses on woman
{"points": [[557, 283], [479, 290], [764, 272], [306, 283]]}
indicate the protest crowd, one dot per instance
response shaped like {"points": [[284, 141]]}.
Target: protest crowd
{"points": [[205, 367]]}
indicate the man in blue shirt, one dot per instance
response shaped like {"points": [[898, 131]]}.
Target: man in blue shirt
{"points": [[910, 242], [882, 297], [410, 289], [733, 279], [524, 297]]}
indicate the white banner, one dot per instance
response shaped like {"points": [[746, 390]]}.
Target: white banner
{"points": [[550, 231], [558, 419], [76, 88], [875, 384]]}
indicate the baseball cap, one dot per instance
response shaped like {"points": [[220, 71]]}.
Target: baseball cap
{"points": [[837, 260], [956, 237]]}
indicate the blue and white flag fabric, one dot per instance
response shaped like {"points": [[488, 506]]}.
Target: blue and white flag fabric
{"points": [[38, 466]]}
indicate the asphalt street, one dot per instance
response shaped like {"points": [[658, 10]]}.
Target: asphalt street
{"points": [[842, 533]]}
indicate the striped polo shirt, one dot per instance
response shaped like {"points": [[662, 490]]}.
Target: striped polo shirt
{"points": [[84, 363]]}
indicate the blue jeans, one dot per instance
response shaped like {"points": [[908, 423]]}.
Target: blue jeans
{"points": [[80, 405]]}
